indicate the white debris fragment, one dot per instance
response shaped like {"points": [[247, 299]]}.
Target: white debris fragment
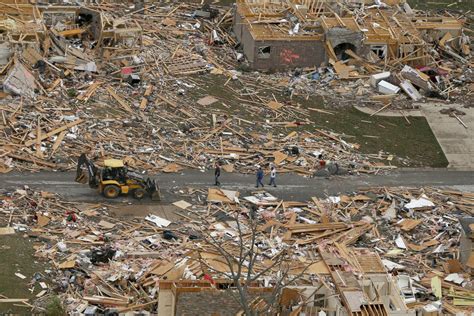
{"points": [[419, 203], [160, 222]]}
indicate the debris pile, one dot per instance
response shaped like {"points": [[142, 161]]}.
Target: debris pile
{"points": [[376, 51], [166, 85], [419, 236], [116, 97]]}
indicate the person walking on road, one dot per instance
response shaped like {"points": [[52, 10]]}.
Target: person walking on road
{"points": [[217, 174], [259, 177], [273, 174]]}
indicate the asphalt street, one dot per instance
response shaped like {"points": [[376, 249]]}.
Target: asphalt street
{"points": [[290, 186]]}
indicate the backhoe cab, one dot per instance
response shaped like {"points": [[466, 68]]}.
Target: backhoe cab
{"points": [[115, 179]]}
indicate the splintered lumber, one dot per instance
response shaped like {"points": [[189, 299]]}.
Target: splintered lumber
{"points": [[408, 224], [89, 92], [306, 228], [107, 301], [13, 300], [37, 161], [55, 131], [58, 141], [121, 101]]}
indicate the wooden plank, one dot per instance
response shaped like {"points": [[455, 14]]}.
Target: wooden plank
{"points": [[136, 307], [408, 224], [57, 142], [162, 98], [89, 92], [55, 131], [33, 160], [6, 231], [287, 235], [305, 228], [330, 51], [121, 101], [39, 154], [13, 300], [72, 32], [108, 301], [143, 104], [144, 101], [327, 135]]}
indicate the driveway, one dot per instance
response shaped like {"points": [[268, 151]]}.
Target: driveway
{"points": [[456, 141]]}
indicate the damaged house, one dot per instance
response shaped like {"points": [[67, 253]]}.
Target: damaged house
{"points": [[66, 36], [352, 282], [278, 35]]}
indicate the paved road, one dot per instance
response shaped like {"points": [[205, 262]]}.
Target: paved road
{"points": [[292, 187]]}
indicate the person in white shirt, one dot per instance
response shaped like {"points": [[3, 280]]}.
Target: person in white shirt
{"points": [[273, 174]]}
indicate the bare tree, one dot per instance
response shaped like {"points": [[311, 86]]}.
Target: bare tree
{"points": [[242, 256]]}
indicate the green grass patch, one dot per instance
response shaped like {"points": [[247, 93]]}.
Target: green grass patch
{"points": [[394, 135], [441, 4], [55, 307]]}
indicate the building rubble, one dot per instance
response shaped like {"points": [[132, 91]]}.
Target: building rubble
{"points": [[387, 250], [133, 84], [135, 103], [376, 49], [166, 86]]}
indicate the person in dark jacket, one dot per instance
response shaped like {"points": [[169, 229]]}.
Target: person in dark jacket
{"points": [[259, 177], [217, 174]]}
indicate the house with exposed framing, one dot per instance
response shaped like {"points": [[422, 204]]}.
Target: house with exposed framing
{"points": [[357, 284], [279, 34], [18, 24]]}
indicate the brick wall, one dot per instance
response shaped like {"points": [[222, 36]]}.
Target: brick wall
{"points": [[289, 54]]}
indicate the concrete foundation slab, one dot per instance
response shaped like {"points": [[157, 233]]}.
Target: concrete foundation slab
{"points": [[456, 141]]}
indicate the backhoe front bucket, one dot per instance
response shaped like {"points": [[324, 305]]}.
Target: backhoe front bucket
{"points": [[155, 196], [154, 190]]}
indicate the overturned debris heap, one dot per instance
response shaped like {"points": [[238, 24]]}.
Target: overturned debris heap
{"points": [[380, 251]]}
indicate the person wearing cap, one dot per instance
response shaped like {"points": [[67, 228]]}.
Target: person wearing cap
{"points": [[259, 177], [273, 174]]}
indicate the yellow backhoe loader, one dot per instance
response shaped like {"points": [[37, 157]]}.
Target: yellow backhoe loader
{"points": [[115, 179]]}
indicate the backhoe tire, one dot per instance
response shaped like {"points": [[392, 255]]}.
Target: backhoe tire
{"points": [[139, 194], [111, 191]]}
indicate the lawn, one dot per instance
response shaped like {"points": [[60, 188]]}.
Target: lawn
{"points": [[394, 135]]}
